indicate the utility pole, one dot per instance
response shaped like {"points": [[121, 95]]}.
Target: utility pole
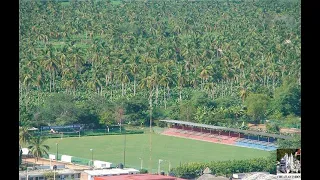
{"points": [[54, 172], [159, 169], [124, 148], [141, 162], [150, 135], [57, 151]]}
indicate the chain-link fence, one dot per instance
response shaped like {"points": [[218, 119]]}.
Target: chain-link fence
{"points": [[87, 132]]}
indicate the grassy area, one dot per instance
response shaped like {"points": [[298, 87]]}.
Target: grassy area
{"points": [[177, 150]]}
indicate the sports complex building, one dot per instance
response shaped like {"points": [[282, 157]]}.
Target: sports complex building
{"points": [[223, 135]]}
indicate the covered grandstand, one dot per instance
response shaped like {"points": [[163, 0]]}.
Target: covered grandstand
{"points": [[223, 135]]}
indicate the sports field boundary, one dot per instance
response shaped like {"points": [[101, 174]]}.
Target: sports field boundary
{"points": [[137, 151]]}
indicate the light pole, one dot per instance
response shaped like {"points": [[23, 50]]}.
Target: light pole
{"points": [[91, 156], [27, 173], [141, 162], [124, 149], [57, 151], [160, 160], [54, 172]]}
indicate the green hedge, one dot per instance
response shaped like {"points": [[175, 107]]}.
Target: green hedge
{"points": [[226, 168], [82, 161]]}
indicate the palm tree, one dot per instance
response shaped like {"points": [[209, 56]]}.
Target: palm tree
{"points": [[24, 136], [50, 64], [181, 81], [165, 81], [37, 147], [155, 77], [134, 70], [204, 74], [243, 94], [123, 76]]}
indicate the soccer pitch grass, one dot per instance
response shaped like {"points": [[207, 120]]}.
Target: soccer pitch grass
{"points": [[110, 148]]}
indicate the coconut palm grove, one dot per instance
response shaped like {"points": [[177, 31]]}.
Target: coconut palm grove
{"points": [[130, 64]]}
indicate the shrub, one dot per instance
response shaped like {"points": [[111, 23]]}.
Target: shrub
{"points": [[143, 171], [160, 123], [225, 168]]}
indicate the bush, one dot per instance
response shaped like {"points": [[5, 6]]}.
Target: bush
{"points": [[50, 175], [143, 171], [160, 123], [223, 168], [272, 128]]}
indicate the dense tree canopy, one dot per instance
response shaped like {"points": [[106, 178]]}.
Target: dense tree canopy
{"points": [[185, 58], [257, 105]]}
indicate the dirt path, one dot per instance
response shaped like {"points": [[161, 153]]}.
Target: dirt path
{"points": [[47, 162]]}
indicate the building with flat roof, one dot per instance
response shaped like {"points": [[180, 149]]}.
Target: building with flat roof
{"points": [[62, 174]]}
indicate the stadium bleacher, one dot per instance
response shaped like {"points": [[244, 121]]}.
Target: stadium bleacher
{"points": [[223, 138], [256, 144]]}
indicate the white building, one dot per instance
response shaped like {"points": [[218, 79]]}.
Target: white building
{"points": [[64, 174], [102, 164]]}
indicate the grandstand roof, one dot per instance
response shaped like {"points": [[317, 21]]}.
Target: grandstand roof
{"points": [[228, 129]]}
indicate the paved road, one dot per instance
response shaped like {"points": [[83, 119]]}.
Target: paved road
{"points": [[47, 162]]}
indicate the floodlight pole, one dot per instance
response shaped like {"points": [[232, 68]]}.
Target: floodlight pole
{"points": [[57, 152], [124, 149], [141, 162], [159, 163], [150, 134], [91, 156]]}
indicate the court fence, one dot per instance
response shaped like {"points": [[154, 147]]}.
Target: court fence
{"points": [[87, 132]]}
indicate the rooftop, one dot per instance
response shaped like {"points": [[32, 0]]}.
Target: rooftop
{"points": [[40, 172], [259, 176], [115, 171], [211, 177], [138, 177]]}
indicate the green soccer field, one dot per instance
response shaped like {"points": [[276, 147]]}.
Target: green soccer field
{"points": [[176, 150]]}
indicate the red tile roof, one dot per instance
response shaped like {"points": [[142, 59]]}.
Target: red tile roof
{"points": [[137, 177]]}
